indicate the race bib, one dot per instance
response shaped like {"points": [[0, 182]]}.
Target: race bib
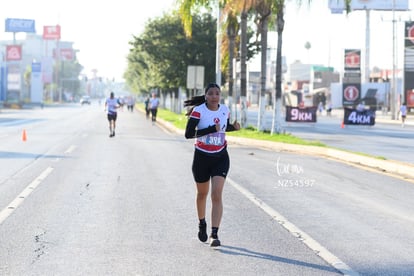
{"points": [[214, 139]]}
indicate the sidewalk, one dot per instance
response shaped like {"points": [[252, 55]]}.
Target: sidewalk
{"points": [[380, 116], [396, 168]]}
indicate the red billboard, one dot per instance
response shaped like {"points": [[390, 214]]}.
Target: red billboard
{"points": [[352, 59], [409, 64], [51, 32], [13, 52], [65, 54]]}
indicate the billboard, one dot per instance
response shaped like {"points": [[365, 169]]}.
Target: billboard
{"points": [[36, 91], [65, 54], [297, 114], [409, 64], [359, 117], [385, 5], [351, 94], [195, 77], [15, 25], [13, 52], [352, 60], [51, 32]]}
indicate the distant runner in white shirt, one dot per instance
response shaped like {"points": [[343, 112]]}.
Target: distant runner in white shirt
{"points": [[153, 104], [111, 106], [403, 111]]}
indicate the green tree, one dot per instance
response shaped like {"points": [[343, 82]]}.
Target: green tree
{"points": [[279, 9], [242, 8], [229, 52], [69, 76], [159, 57], [231, 10]]}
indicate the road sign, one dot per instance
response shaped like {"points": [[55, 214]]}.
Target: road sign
{"points": [[51, 32], [351, 93], [15, 25], [352, 59], [352, 74], [195, 77], [351, 80], [13, 52]]}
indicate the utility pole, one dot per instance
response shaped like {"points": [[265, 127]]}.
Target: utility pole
{"points": [[218, 46], [394, 85], [367, 46]]}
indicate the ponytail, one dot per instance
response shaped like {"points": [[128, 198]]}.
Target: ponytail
{"points": [[197, 100], [193, 102]]}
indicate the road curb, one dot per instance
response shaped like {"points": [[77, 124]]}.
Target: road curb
{"points": [[390, 166], [399, 168]]}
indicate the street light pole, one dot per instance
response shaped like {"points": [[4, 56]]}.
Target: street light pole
{"points": [[367, 45], [218, 46], [394, 85]]}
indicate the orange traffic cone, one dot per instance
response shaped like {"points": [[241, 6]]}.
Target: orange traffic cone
{"points": [[24, 136], [342, 125]]}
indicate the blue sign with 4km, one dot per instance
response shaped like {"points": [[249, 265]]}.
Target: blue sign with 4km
{"points": [[15, 25]]}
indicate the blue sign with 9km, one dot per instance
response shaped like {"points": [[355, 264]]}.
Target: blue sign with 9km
{"points": [[15, 25]]}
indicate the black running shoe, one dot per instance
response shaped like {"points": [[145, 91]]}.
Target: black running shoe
{"points": [[113, 133], [214, 241], [202, 232]]}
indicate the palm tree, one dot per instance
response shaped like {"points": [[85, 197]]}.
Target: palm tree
{"points": [[277, 111], [277, 8], [232, 28], [263, 8], [234, 7]]}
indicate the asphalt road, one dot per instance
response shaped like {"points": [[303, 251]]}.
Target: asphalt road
{"points": [[75, 202]]}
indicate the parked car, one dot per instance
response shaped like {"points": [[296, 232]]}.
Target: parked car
{"points": [[85, 100]]}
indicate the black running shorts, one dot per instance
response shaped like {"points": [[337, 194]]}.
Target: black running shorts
{"points": [[206, 166], [112, 117]]}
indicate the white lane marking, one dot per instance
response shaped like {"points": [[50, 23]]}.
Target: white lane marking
{"points": [[70, 149], [6, 212], [296, 232]]}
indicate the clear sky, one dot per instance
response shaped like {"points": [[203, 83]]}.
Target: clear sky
{"points": [[329, 34], [101, 30]]}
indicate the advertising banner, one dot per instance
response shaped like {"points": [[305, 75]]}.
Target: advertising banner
{"points": [[15, 25], [352, 60], [36, 91], [65, 54], [384, 5], [303, 115], [409, 63], [351, 94], [3, 82], [410, 98], [13, 52], [355, 117], [51, 32], [13, 77]]}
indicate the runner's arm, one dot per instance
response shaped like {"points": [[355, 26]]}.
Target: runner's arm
{"points": [[192, 132]]}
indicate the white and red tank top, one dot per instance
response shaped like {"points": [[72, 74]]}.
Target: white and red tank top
{"points": [[213, 142]]}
